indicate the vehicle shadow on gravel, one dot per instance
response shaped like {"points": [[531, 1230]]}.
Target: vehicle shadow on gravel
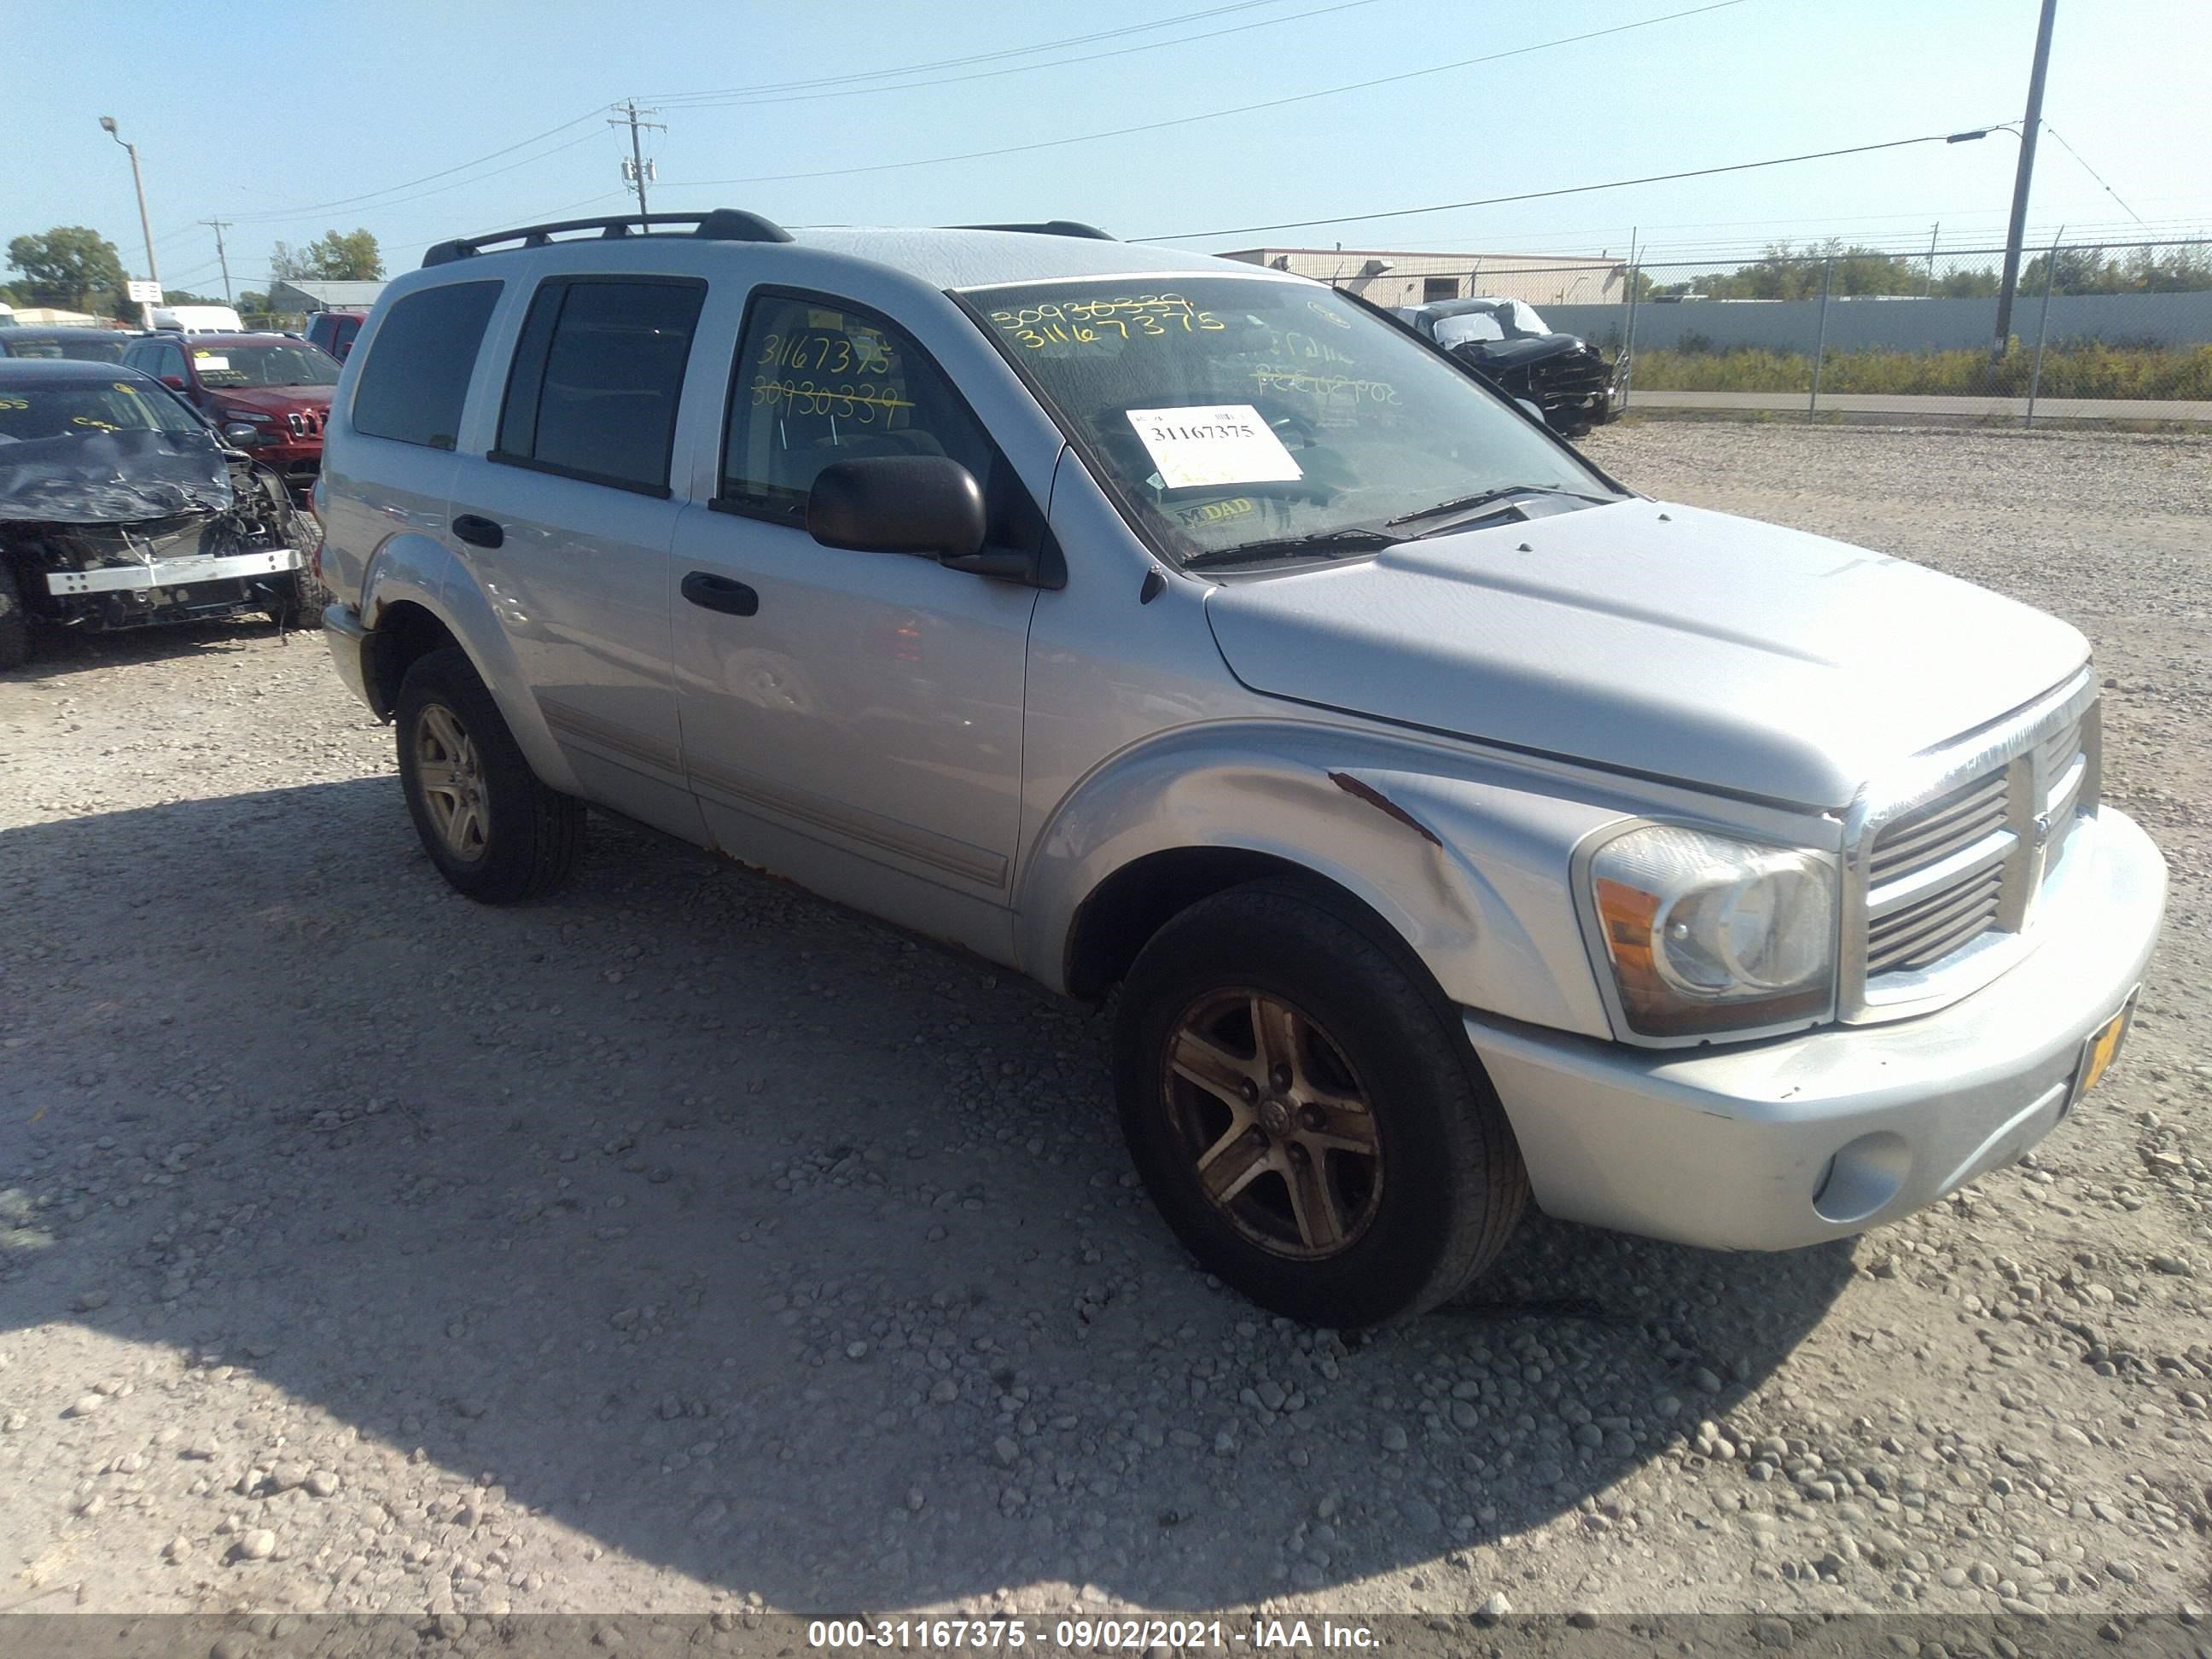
{"points": [[687, 1219], [56, 653]]}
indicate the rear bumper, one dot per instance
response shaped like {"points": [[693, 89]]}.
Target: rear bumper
{"points": [[1774, 1145], [347, 638]]}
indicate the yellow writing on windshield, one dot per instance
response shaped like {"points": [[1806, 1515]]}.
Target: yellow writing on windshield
{"points": [[1116, 320], [862, 404], [15, 403], [95, 422], [1329, 388]]}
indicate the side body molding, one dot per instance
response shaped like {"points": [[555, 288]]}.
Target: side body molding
{"points": [[1467, 863], [412, 569]]}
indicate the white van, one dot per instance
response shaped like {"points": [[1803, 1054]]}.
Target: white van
{"points": [[198, 319]]}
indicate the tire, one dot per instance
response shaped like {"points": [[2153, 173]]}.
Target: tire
{"points": [[15, 624], [498, 835], [302, 608], [1414, 1220]]}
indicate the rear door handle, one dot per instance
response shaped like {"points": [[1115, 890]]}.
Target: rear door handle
{"points": [[714, 593], [478, 532]]}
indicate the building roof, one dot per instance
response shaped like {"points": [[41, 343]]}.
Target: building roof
{"points": [[325, 296]]}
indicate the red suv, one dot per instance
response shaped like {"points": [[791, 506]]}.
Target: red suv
{"points": [[267, 393], [334, 330]]}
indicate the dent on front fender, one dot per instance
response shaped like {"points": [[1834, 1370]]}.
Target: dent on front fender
{"points": [[1471, 871], [411, 569]]}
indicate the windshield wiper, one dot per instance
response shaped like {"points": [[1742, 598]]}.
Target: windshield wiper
{"points": [[1485, 497], [1347, 540]]}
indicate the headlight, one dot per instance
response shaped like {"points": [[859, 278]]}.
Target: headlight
{"points": [[1705, 934]]}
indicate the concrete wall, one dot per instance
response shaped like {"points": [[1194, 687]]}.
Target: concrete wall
{"points": [[2172, 320]]}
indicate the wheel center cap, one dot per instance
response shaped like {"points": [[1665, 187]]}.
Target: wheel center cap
{"points": [[1274, 1117]]}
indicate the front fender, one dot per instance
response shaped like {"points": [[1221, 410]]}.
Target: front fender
{"points": [[1467, 863], [413, 569]]}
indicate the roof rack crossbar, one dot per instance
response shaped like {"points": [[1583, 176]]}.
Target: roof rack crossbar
{"points": [[717, 225], [1050, 228]]}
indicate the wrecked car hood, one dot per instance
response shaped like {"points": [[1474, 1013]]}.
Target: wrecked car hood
{"points": [[1509, 354], [113, 477], [272, 400], [1654, 639]]}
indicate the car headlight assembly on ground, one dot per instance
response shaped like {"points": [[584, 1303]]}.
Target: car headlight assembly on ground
{"points": [[1707, 936]]}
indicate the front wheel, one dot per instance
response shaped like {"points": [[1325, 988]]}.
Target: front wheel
{"points": [[494, 831], [1306, 1112]]}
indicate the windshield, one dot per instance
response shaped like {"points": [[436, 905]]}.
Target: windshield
{"points": [[272, 363], [1230, 410], [91, 345], [87, 409]]}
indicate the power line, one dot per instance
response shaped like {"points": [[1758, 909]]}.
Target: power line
{"points": [[443, 172], [1570, 190], [1219, 114], [972, 57], [2092, 173], [1018, 69]]}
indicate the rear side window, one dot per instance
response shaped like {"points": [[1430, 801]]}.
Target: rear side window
{"points": [[416, 377], [597, 374]]}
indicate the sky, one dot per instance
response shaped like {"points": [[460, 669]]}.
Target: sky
{"points": [[421, 121]]}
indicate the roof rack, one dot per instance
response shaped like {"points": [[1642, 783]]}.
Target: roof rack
{"points": [[721, 225], [1050, 228]]}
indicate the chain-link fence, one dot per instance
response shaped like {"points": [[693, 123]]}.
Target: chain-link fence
{"points": [[2104, 331]]}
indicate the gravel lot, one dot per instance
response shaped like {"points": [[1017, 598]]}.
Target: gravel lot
{"points": [[686, 1242]]}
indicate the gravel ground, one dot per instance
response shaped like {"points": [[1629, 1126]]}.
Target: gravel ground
{"points": [[686, 1242]]}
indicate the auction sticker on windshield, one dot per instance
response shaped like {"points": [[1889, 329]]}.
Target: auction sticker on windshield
{"points": [[1214, 444]]}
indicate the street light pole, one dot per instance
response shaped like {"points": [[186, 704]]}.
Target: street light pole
{"points": [[145, 225], [2029, 123]]}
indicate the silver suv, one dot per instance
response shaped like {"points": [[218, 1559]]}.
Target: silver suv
{"points": [[1456, 823]]}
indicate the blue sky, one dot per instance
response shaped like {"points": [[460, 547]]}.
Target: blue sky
{"points": [[263, 113]]}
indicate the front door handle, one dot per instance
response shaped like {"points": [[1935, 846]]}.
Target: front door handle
{"points": [[714, 593], [478, 532]]}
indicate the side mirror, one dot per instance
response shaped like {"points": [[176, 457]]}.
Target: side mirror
{"points": [[174, 382], [929, 505]]}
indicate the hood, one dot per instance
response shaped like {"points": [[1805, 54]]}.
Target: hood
{"points": [[113, 477], [1655, 639], [272, 400], [1514, 354]]}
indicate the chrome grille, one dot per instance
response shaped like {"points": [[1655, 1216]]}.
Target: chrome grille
{"points": [[1932, 832], [1926, 930], [1945, 879]]}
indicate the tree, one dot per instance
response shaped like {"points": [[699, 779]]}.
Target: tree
{"points": [[333, 256], [70, 266]]}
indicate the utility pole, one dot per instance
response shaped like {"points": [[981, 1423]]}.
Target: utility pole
{"points": [[637, 169], [219, 225], [145, 225], [2028, 126]]}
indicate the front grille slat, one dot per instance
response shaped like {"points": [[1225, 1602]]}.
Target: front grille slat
{"points": [[1934, 927], [1935, 831]]}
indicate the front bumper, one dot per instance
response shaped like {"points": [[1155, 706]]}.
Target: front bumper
{"points": [[161, 575], [1773, 1144]]}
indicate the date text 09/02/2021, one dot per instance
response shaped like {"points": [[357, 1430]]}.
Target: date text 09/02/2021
{"points": [[1138, 1634]]}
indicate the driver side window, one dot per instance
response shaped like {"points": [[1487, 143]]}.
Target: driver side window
{"points": [[816, 381]]}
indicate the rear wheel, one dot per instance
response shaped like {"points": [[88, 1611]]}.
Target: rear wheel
{"points": [[14, 625], [1306, 1112], [494, 831]]}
